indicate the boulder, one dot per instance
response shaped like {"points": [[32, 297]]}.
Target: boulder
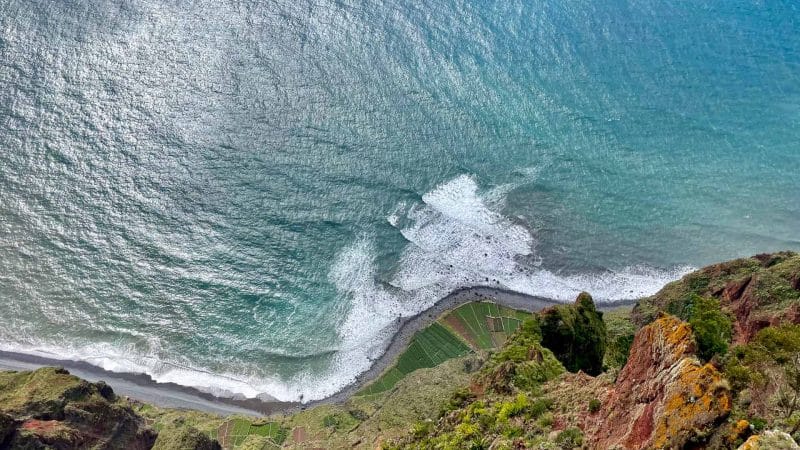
{"points": [[770, 440]]}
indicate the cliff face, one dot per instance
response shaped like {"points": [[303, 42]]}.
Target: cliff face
{"points": [[712, 361], [758, 292], [663, 396], [49, 408]]}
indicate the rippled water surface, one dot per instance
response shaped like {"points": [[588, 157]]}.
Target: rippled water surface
{"points": [[241, 195]]}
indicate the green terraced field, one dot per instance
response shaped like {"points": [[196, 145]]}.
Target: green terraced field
{"points": [[429, 347], [472, 322], [472, 326], [232, 433]]}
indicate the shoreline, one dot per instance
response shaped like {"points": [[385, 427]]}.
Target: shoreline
{"points": [[142, 387]]}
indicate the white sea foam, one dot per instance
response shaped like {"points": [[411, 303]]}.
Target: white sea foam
{"points": [[456, 237]]}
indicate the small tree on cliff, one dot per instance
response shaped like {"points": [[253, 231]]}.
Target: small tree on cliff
{"points": [[576, 334], [711, 326]]}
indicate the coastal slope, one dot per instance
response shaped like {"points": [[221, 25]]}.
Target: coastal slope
{"points": [[709, 362]]}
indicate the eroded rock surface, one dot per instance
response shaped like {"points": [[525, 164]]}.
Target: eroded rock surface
{"points": [[49, 408], [663, 396]]}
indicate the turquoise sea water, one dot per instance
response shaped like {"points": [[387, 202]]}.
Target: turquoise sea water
{"points": [[243, 195]]}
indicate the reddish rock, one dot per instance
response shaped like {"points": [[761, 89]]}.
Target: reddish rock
{"points": [[663, 396]]}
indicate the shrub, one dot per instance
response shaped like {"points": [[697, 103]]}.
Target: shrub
{"points": [[619, 349], [421, 429], [511, 409], [570, 438], [547, 420], [459, 399], [540, 406], [712, 328], [358, 414], [594, 405], [330, 421]]}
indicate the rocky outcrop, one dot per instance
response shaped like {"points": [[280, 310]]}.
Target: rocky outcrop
{"points": [[576, 334], [663, 396], [49, 408], [770, 440], [758, 292]]}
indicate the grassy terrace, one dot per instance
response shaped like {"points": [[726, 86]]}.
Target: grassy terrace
{"points": [[233, 434], [422, 378], [476, 326]]}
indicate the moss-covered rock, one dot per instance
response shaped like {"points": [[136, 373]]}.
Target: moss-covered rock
{"points": [[576, 334], [757, 292], [522, 363], [620, 331], [184, 438], [51, 408]]}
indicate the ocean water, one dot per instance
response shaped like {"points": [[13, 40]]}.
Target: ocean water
{"points": [[242, 196]]}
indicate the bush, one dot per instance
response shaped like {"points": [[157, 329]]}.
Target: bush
{"points": [[712, 328], [576, 334], [619, 349], [459, 399], [511, 409], [421, 429], [540, 406], [594, 405], [570, 438]]}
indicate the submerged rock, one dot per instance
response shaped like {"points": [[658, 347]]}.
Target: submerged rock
{"points": [[663, 396]]}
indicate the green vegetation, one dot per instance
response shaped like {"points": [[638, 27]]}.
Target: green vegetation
{"points": [[49, 408], [416, 400], [570, 438], [475, 326], [484, 325], [712, 328], [512, 410], [576, 334], [755, 369], [233, 433], [184, 438], [429, 348], [620, 331], [41, 392], [522, 363], [768, 281]]}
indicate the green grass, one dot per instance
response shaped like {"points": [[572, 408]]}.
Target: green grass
{"points": [[429, 348], [234, 432], [438, 343], [475, 316]]}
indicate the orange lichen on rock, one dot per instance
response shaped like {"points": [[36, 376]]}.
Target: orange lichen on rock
{"points": [[770, 440], [699, 398], [739, 430], [663, 395]]}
